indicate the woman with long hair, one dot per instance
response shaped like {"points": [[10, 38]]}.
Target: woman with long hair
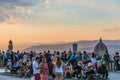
{"points": [[44, 70], [58, 69]]}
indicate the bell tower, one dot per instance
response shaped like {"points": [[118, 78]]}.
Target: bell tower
{"points": [[75, 48], [10, 46]]}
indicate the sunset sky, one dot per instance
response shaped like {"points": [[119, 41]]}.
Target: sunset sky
{"points": [[51, 21]]}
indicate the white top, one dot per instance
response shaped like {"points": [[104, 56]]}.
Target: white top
{"points": [[9, 65], [93, 60], [35, 66], [59, 69]]}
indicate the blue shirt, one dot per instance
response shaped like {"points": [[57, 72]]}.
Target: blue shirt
{"points": [[8, 55], [72, 57]]}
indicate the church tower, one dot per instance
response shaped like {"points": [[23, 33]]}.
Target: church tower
{"points": [[10, 46]]}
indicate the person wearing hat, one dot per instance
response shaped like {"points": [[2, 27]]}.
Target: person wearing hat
{"points": [[91, 69]]}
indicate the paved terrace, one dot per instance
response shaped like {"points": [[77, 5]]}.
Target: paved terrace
{"points": [[8, 76]]}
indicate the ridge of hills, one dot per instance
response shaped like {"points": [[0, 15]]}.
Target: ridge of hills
{"points": [[113, 46]]}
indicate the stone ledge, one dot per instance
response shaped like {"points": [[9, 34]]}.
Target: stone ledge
{"points": [[15, 75], [8, 74]]}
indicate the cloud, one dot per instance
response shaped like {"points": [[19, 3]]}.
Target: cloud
{"points": [[115, 29], [11, 11], [33, 9]]}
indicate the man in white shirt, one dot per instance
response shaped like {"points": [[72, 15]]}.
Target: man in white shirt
{"points": [[36, 70]]}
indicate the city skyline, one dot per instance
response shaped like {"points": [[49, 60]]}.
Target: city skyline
{"points": [[51, 21]]}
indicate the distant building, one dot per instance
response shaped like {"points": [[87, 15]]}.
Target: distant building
{"points": [[75, 48], [10, 46], [100, 49]]}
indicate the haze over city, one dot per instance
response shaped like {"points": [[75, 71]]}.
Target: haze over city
{"points": [[29, 22]]}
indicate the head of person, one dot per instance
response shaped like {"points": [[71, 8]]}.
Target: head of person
{"points": [[84, 63], [93, 55], [37, 59], [48, 52], [3, 52], [89, 64], [43, 59], [106, 52], [84, 52], [58, 62], [103, 63], [117, 53], [58, 53], [44, 52], [74, 53]]}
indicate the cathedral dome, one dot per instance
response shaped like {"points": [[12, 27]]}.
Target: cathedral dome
{"points": [[100, 48]]}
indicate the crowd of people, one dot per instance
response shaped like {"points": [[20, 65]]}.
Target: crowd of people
{"points": [[57, 64]]}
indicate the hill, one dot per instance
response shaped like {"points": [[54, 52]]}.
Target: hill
{"points": [[113, 46]]}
